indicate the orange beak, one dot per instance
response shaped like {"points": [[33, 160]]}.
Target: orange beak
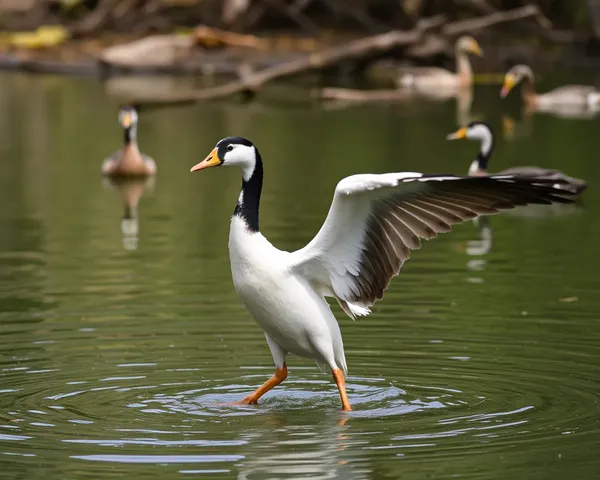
{"points": [[459, 134], [212, 160], [476, 49], [507, 86]]}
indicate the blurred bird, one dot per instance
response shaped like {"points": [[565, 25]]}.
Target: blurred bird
{"points": [[583, 96], [433, 77], [129, 161], [483, 132]]}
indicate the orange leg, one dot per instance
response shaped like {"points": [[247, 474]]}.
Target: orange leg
{"points": [[280, 376], [338, 376]]}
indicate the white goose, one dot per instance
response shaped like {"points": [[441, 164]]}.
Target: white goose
{"points": [[373, 224], [575, 96], [483, 132]]}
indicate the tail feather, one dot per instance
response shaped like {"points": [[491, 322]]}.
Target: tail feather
{"points": [[353, 310]]}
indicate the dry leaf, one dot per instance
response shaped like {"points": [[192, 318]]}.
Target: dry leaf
{"points": [[568, 299], [43, 37]]}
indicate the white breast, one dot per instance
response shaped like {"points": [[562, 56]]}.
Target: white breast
{"points": [[256, 265], [282, 303]]}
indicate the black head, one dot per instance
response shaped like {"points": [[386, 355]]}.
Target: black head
{"points": [[229, 144]]}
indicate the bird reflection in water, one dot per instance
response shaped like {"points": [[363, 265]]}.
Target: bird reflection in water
{"points": [[523, 128], [463, 97], [516, 129], [131, 190], [340, 98], [480, 247], [287, 446]]}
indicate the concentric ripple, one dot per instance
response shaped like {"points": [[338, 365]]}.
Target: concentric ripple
{"points": [[447, 397]]}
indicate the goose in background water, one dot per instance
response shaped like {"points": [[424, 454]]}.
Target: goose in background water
{"points": [[374, 222], [575, 96], [479, 167], [129, 161], [434, 77]]}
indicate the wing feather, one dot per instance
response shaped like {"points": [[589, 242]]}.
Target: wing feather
{"points": [[376, 220]]}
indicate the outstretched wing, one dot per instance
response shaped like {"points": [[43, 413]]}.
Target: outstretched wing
{"points": [[376, 220]]}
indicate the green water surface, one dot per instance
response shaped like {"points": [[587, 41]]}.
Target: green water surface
{"points": [[121, 338]]}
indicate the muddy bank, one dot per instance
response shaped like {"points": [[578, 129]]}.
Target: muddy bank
{"points": [[242, 63], [216, 52]]}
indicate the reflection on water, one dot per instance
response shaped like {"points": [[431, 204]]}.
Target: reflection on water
{"points": [[480, 247], [573, 112], [463, 97], [483, 245], [130, 190], [523, 128], [124, 362]]}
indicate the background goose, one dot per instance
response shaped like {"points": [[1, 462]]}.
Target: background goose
{"points": [[373, 224], [569, 95], [424, 77], [129, 161], [483, 132]]}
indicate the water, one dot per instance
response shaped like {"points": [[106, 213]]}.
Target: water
{"points": [[122, 343]]}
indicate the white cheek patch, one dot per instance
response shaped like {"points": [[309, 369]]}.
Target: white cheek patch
{"points": [[243, 157], [484, 135]]}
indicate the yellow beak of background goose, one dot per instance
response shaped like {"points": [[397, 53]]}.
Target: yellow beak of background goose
{"points": [[476, 49], [507, 86], [212, 160], [126, 120], [458, 135]]}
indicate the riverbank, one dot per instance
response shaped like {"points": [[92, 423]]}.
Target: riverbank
{"points": [[242, 63]]}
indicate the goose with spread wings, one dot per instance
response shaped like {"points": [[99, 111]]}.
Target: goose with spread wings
{"points": [[374, 222]]}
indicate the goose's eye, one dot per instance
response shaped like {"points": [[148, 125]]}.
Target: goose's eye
{"points": [[229, 148]]}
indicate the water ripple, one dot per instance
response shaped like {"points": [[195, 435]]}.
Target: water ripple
{"points": [[127, 363]]}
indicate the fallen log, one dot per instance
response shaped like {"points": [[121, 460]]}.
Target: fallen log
{"points": [[313, 61], [479, 23], [251, 82], [209, 37], [434, 44]]}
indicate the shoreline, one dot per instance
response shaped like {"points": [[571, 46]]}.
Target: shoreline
{"points": [[217, 63], [89, 40], [231, 62]]}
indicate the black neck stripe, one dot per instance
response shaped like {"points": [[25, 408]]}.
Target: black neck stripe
{"points": [[247, 208]]}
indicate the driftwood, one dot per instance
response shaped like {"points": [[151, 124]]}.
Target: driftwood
{"points": [[209, 37], [251, 82], [436, 43], [479, 23]]}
